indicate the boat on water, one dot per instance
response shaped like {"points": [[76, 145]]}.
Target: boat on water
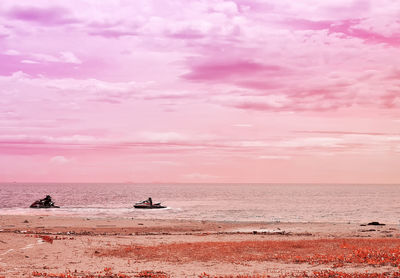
{"points": [[148, 204], [44, 203]]}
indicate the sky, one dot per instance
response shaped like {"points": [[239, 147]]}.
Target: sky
{"points": [[200, 91]]}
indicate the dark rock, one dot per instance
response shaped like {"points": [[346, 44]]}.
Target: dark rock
{"points": [[376, 224]]}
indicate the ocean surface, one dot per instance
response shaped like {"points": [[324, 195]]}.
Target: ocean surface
{"points": [[226, 202]]}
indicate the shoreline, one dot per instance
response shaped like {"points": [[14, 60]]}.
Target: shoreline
{"points": [[59, 214], [51, 224]]}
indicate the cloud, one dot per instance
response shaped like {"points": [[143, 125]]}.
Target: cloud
{"points": [[63, 57], [25, 61], [49, 16], [243, 125], [12, 52], [282, 102], [222, 70], [59, 160], [165, 163], [4, 31], [306, 24], [69, 57], [341, 132], [163, 137], [274, 157], [59, 65], [112, 33], [352, 28], [200, 177], [186, 34], [173, 142], [326, 142], [89, 89], [226, 7], [188, 29]]}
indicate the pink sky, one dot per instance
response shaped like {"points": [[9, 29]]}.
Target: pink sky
{"points": [[200, 91]]}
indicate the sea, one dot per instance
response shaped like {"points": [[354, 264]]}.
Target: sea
{"points": [[345, 203]]}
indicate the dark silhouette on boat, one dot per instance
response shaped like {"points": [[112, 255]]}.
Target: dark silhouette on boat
{"points": [[148, 204], [46, 202]]}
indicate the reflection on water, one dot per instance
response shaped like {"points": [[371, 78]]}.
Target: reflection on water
{"points": [[229, 202]]}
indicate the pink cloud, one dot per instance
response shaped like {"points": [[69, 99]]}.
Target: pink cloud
{"points": [[306, 24], [46, 16], [186, 34], [65, 64], [292, 105], [106, 100], [112, 33], [349, 27], [391, 99], [340, 132], [221, 70], [249, 6], [366, 35]]}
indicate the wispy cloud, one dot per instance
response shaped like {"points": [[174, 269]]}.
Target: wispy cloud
{"points": [[45, 16], [59, 159]]}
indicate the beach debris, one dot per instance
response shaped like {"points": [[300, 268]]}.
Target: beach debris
{"points": [[369, 230], [47, 239], [374, 223]]}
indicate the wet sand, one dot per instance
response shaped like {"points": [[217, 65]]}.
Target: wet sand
{"points": [[34, 245]]}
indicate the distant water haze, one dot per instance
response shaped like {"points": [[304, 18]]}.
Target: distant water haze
{"points": [[222, 202]]}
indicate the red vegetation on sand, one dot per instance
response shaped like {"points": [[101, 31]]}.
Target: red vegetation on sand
{"points": [[337, 252], [160, 274], [335, 274], [152, 274], [205, 275], [314, 274], [107, 274]]}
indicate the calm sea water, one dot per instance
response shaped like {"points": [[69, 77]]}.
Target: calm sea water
{"points": [[226, 202]]}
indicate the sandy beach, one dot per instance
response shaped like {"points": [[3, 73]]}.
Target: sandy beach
{"points": [[53, 246]]}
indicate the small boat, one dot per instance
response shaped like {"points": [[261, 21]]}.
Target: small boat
{"points": [[44, 203], [148, 204]]}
